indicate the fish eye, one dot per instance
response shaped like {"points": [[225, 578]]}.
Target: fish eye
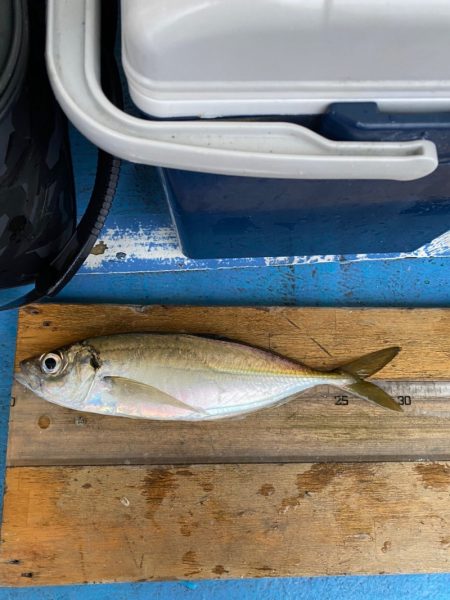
{"points": [[51, 363]]}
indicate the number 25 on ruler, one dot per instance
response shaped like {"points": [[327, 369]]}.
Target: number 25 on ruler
{"points": [[341, 400]]}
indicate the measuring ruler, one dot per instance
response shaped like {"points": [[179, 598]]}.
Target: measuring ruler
{"points": [[425, 398]]}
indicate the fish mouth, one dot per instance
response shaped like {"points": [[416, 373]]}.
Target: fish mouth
{"points": [[27, 379]]}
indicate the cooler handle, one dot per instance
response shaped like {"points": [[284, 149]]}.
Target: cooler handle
{"points": [[250, 149]]}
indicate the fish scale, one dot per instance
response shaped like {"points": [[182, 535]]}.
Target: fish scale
{"points": [[185, 377], [193, 351]]}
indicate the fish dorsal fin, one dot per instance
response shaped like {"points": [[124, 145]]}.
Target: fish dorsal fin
{"points": [[136, 391], [370, 363], [213, 336]]}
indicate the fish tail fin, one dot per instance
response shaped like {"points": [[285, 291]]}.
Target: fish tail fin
{"points": [[370, 363], [370, 391], [365, 367]]}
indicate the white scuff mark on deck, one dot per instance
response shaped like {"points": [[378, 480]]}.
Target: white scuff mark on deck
{"points": [[158, 249], [440, 246], [159, 244]]}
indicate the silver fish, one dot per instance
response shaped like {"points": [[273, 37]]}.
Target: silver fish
{"points": [[185, 377]]}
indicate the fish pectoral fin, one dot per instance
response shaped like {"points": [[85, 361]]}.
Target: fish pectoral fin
{"points": [[136, 390]]}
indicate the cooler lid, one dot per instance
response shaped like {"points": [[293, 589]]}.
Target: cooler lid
{"points": [[249, 148], [211, 58]]}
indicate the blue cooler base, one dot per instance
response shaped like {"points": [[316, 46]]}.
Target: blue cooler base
{"points": [[220, 216]]}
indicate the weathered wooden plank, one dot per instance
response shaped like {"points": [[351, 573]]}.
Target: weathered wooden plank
{"points": [[310, 428], [322, 337], [307, 429], [99, 524]]}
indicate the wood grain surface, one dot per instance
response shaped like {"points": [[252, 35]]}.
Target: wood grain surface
{"points": [[321, 337], [309, 428], [102, 524], [105, 500]]}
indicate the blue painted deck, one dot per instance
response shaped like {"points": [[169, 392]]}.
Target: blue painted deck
{"points": [[141, 263]]}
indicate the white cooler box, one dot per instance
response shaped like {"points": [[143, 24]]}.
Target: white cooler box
{"points": [[282, 127]]}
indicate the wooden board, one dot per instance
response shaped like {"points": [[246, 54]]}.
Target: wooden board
{"points": [[307, 429], [310, 428], [82, 524], [95, 499]]}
